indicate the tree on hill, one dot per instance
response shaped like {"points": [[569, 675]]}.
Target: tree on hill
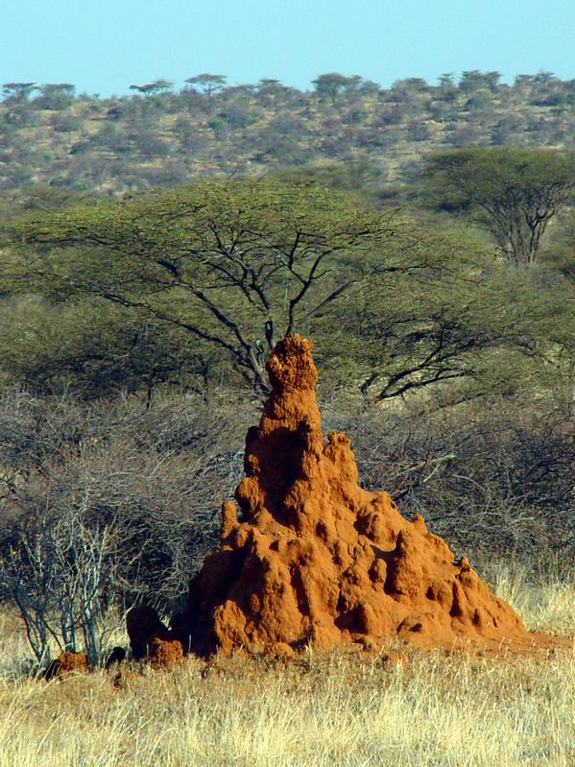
{"points": [[473, 80], [18, 92], [153, 89], [269, 89], [55, 96], [514, 192], [332, 84], [207, 83], [236, 264]]}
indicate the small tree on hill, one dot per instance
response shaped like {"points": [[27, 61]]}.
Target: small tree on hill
{"points": [[55, 96], [474, 80], [332, 84], [153, 89], [18, 92], [208, 84]]}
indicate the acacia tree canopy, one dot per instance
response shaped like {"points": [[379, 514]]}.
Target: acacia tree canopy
{"points": [[513, 192], [473, 327], [237, 263], [207, 83], [153, 89], [222, 269], [18, 92], [332, 84]]}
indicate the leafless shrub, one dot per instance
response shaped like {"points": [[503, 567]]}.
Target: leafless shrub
{"points": [[120, 508], [58, 574]]}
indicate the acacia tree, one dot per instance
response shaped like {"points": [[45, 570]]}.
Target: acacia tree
{"points": [[513, 192], [207, 83], [471, 326], [332, 84], [238, 264], [55, 96], [18, 93], [153, 89], [473, 80]]}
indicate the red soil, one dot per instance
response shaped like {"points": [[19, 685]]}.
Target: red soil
{"points": [[309, 557], [67, 663], [151, 640]]}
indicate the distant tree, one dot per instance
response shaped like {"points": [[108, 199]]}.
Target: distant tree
{"points": [[55, 96], [514, 192], [447, 89], [239, 97], [270, 91], [523, 81], [236, 264], [544, 78], [547, 90], [207, 83], [153, 89], [269, 84], [447, 80], [474, 80], [331, 85], [369, 88], [411, 85], [18, 92]]}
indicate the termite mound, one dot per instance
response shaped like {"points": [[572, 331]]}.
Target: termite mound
{"points": [[308, 557]]}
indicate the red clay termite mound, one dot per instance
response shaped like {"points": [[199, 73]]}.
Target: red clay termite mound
{"points": [[309, 557]]}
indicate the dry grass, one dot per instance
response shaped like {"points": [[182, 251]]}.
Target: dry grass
{"points": [[336, 710]]}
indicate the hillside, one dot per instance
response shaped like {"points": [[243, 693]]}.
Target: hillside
{"points": [[161, 137]]}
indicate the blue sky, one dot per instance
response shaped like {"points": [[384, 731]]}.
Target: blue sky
{"points": [[103, 46]]}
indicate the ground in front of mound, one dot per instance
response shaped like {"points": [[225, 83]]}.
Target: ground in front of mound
{"points": [[309, 558]]}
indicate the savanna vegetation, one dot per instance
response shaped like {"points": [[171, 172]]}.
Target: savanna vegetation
{"points": [[155, 247], [165, 134]]}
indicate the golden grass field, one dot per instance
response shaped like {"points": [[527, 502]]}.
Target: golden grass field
{"points": [[436, 709]]}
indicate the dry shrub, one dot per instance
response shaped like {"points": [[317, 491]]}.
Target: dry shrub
{"points": [[492, 476], [141, 486], [127, 492]]}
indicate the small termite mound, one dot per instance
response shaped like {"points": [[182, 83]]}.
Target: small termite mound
{"points": [[67, 663]]}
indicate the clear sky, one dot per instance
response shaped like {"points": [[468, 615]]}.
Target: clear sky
{"points": [[103, 46]]}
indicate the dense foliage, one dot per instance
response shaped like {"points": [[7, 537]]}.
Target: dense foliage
{"points": [[514, 192], [200, 282]]}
